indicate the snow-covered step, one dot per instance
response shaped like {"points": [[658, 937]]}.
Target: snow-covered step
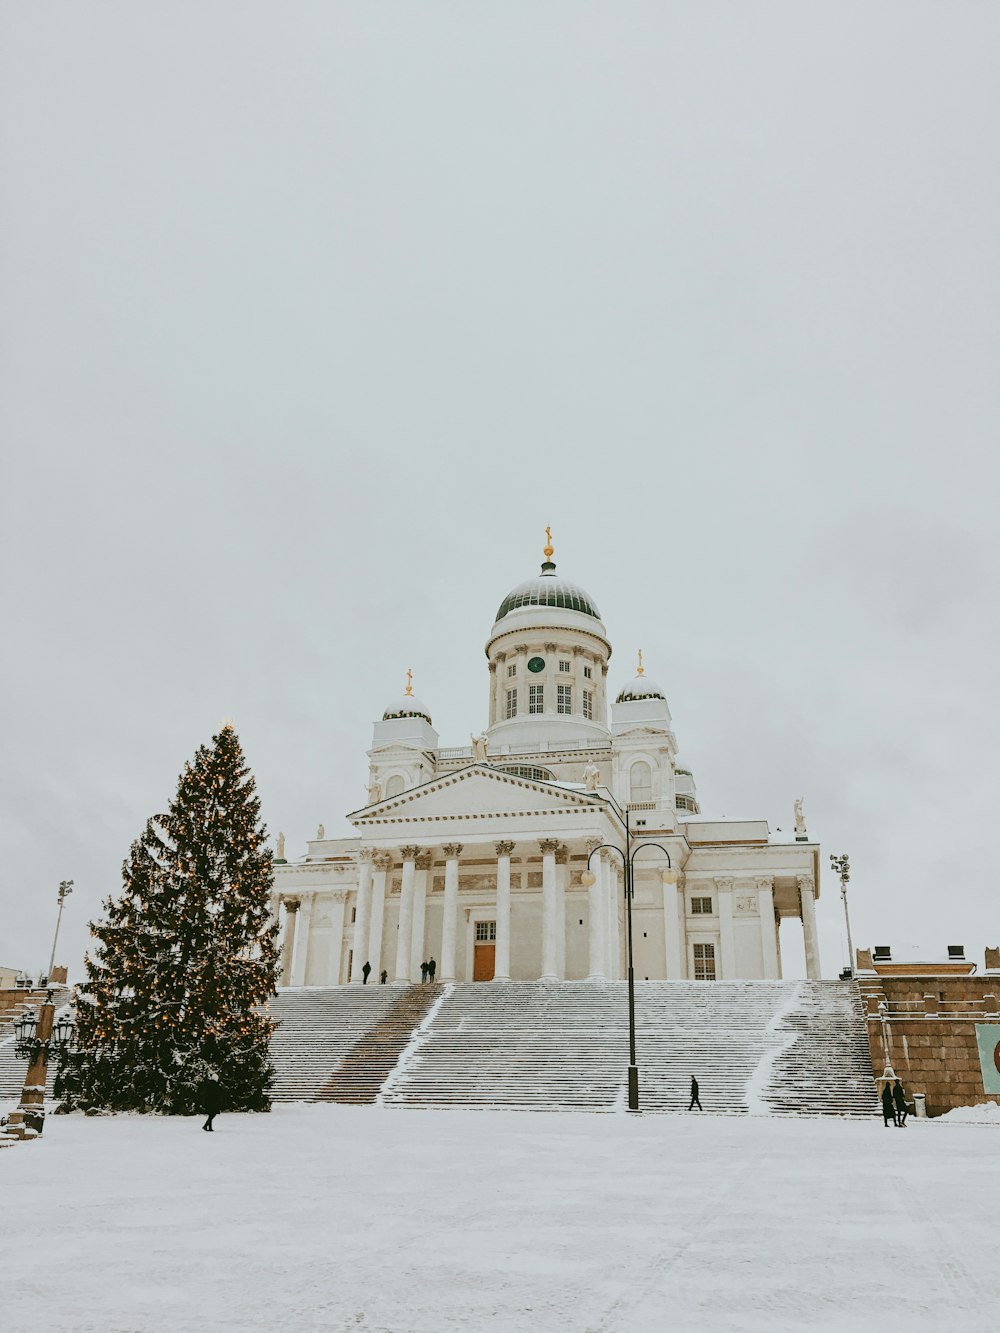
{"points": [[765, 1047]]}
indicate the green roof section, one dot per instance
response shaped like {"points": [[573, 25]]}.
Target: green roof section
{"points": [[548, 590]]}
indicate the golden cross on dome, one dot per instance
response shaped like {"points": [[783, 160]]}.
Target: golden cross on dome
{"points": [[641, 669], [549, 549], [409, 683]]}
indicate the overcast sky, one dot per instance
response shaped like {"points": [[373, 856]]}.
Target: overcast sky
{"points": [[313, 316]]}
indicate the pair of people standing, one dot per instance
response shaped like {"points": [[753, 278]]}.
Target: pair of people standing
{"points": [[427, 970], [894, 1106]]}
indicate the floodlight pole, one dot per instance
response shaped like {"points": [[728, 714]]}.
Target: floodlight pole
{"points": [[65, 889], [842, 867]]}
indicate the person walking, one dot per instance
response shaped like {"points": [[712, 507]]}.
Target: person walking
{"points": [[423, 971], [695, 1099], [384, 977], [210, 1101], [366, 972], [888, 1108], [432, 967], [899, 1101]]}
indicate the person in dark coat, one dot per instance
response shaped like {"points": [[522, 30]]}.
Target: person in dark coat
{"points": [[695, 1099], [210, 1100], [899, 1101], [888, 1109], [384, 977], [423, 971], [432, 967], [366, 972]]}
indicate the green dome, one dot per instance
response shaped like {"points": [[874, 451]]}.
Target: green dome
{"points": [[548, 590]]}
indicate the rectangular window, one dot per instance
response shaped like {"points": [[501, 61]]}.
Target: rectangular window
{"points": [[564, 698], [704, 962], [701, 907], [512, 669], [511, 708], [563, 666], [588, 703], [536, 698], [588, 673], [486, 931]]}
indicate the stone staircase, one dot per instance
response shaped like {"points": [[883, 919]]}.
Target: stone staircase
{"points": [[794, 1048], [340, 1044]]}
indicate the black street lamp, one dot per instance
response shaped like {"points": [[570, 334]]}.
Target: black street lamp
{"points": [[37, 1038], [669, 876]]}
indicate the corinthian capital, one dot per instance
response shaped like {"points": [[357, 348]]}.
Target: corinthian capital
{"points": [[807, 884], [549, 846], [409, 853], [452, 850], [504, 848]]}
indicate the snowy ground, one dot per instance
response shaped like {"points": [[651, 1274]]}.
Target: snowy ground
{"points": [[341, 1218]]}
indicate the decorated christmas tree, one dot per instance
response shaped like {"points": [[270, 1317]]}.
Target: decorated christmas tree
{"points": [[185, 958]]}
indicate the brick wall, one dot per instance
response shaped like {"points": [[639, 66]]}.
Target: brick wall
{"points": [[932, 1034]]}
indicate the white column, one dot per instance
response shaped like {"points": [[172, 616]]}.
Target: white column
{"points": [[338, 902], [382, 861], [362, 915], [597, 916], [768, 930], [404, 934], [417, 955], [288, 943], [807, 896], [452, 851], [673, 940], [302, 940], [549, 908], [562, 878], [613, 898], [501, 968], [727, 939]]}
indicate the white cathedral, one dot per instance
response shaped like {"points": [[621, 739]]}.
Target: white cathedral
{"points": [[498, 859]]}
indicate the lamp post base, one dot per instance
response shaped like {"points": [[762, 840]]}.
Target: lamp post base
{"points": [[633, 1088]]}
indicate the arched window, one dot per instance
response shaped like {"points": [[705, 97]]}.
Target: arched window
{"points": [[640, 777], [394, 786]]}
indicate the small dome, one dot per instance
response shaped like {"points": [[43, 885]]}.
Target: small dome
{"points": [[640, 688], [408, 706], [549, 590]]}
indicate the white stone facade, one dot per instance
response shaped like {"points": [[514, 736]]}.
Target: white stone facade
{"points": [[478, 861]]}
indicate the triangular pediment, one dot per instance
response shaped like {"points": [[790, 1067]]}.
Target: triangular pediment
{"points": [[476, 792]]}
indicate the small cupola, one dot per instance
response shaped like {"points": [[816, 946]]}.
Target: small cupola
{"points": [[641, 687], [408, 706]]}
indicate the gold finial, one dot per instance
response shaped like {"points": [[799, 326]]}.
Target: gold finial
{"points": [[641, 671], [549, 549], [409, 683]]}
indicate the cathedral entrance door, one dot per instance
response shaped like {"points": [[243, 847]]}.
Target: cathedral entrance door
{"points": [[484, 962], [484, 951]]}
